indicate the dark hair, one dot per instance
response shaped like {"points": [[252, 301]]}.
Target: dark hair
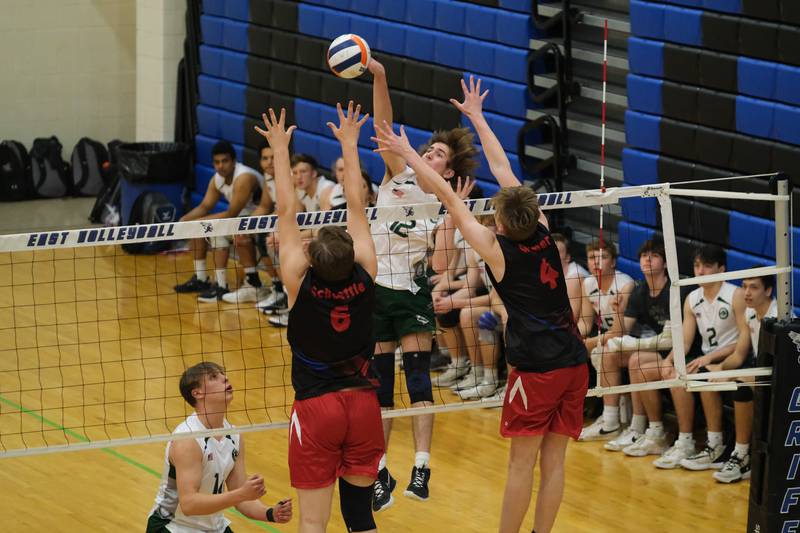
{"points": [[517, 209], [193, 377], [653, 246], [463, 154], [332, 255], [262, 147], [304, 158], [558, 237], [768, 281], [223, 148], [608, 246], [710, 253]]}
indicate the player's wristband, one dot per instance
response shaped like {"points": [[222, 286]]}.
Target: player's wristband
{"points": [[270, 515]]}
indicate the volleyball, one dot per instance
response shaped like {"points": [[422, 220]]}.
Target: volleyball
{"points": [[348, 56]]}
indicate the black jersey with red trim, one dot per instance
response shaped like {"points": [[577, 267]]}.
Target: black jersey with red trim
{"points": [[541, 333], [330, 334]]}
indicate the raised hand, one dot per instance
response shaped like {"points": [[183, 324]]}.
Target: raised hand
{"points": [[376, 67], [472, 106], [349, 125], [276, 133], [389, 141], [463, 190]]}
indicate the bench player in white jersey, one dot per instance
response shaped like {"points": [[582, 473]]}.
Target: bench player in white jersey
{"points": [[239, 185], [336, 199], [760, 304], [717, 312], [312, 189], [573, 273], [252, 289], [604, 298], [192, 495], [404, 313]]}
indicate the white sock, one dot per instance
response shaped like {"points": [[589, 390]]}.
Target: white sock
{"points": [[478, 371], [639, 423], [222, 278], [657, 427], [714, 438], [200, 269], [461, 362], [249, 270], [610, 417], [489, 376], [742, 449], [382, 463], [685, 437], [422, 459]]}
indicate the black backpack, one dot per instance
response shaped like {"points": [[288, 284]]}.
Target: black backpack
{"points": [[15, 172], [89, 161], [107, 210], [48, 169], [151, 208]]}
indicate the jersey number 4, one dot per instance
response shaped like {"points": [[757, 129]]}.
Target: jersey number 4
{"points": [[547, 274], [340, 318]]}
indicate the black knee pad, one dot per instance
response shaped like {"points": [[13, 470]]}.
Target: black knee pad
{"points": [[356, 505], [384, 366], [743, 394], [417, 366]]}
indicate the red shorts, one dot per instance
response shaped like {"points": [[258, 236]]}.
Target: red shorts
{"points": [[333, 435], [545, 402]]}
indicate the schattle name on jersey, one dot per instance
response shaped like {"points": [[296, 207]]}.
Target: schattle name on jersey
{"points": [[349, 292], [538, 247]]}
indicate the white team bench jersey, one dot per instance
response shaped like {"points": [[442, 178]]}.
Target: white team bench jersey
{"points": [[402, 245], [218, 460], [604, 303], [755, 324], [226, 189], [312, 203], [715, 320]]}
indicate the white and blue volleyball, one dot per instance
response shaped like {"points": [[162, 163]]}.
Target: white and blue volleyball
{"points": [[348, 56]]}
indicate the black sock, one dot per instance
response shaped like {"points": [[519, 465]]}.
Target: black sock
{"points": [[253, 279], [277, 285]]}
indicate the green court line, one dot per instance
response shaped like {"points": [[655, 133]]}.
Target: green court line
{"points": [[114, 453]]}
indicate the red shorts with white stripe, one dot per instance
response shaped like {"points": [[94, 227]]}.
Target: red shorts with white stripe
{"points": [[537, 403], [333, 435]]}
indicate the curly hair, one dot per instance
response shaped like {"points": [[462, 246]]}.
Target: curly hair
{"points": [[463, 154]]}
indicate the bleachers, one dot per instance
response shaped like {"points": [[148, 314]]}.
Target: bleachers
{"points": [[713, 91], [257, 54]]}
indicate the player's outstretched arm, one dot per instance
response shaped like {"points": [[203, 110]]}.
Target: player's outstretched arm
{"points": [[292, 257], [254, 509], [382, 107], [472, 108], [357, 225], [188, 461], [481, 238]]}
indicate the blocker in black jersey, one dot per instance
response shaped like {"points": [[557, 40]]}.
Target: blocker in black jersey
{"points": [[541, 333], [330, 334]]}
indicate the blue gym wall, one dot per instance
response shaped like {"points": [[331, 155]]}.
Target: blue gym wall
{"points": [[260, 53], [713, 90]]}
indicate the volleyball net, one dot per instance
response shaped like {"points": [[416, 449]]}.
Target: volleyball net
{"points": [[93, 340]]}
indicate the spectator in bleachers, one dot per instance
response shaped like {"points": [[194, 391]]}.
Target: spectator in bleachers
{"points": [[336, 199], [716, 311], [604, 298], [252, 289], [760, 304], [574, 273], [239, 186]]}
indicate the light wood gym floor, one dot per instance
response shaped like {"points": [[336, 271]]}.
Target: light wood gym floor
{"points": [[93, 335]]}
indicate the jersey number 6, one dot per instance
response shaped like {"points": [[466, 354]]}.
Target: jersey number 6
{"points": [[340, 318]]}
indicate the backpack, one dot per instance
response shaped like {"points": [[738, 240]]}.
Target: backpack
{"points": [[15, 172], [48, 169], [151, 208], [89, 159], [107, 207]]}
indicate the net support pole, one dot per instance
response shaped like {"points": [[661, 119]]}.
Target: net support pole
{"points": [[671, 249], [782, 256]]}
